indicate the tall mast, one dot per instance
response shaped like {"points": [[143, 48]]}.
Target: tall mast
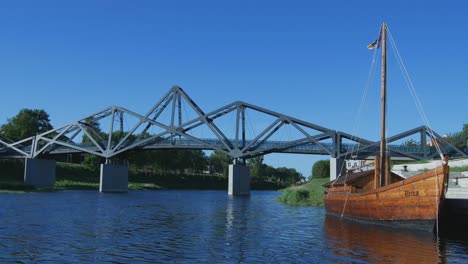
{"points": [[383, 155]]}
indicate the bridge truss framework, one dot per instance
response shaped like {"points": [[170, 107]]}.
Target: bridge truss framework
{"points": [[166, 126]]}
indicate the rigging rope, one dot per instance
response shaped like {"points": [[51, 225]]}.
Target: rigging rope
{"points": [[357, 120], [426, 122], [414, 95], [437, 203]]}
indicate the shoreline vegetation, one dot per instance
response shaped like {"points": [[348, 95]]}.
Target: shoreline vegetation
{"points": [[308, 194], [70, 176]]}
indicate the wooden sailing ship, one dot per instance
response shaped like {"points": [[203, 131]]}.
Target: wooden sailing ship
{"points": [[383, 197]]}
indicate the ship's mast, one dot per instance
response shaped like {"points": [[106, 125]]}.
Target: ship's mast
{"points": [[383, 175]]}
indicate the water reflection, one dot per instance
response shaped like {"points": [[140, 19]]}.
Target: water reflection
{"points": [[197, 226], [237, 216], [370, 243]]}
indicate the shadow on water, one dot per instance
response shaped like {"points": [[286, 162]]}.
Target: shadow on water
{"points": [[453, 223], [367, 243], [453, 238]]}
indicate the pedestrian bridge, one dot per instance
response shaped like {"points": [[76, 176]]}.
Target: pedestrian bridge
{"points": [[165, 126], [239, 130]]}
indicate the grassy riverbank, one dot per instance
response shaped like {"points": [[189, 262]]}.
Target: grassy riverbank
{"points": [[78, 177], [459, 169], [310, 194]]}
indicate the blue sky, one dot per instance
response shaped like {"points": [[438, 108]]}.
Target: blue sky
{"points": [[307, 59]]}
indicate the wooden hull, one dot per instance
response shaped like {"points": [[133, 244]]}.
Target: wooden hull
{"points": [[417, 199]]}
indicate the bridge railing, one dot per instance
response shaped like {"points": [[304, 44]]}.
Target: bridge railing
{"points": [[274, 146]]}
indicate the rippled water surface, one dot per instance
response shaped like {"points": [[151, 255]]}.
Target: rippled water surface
{"points": [[198, 226]]}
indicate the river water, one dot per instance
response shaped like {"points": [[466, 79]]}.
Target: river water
{"points": [[198, 226]]}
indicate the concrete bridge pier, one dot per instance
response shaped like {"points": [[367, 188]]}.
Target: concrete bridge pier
{"points": [[114, 178], [239, 179], [39, 172], [337, 167]]}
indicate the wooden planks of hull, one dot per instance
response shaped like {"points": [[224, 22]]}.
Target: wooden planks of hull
{"points": [[417, 198]]}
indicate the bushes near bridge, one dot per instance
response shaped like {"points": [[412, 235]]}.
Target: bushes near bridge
{"points": [[310, 194], [321, 169]]}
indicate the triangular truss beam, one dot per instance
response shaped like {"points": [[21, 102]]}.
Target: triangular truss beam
{"points": [[10, 149], [422, 150], [175, 121]]}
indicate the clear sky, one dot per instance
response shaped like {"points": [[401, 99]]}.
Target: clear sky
{"points": [[307, 59]]}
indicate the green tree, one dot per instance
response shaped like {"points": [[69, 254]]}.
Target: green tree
{"points": [[271, 173], [410, 143], [140, 159], [190, 160], [219, 163], [93, 128], [27, 123], [257, 168], [321, 169], [91, 161], [289, 175], [170, 160], [457, 136]]}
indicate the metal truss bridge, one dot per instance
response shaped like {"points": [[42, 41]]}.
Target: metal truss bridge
{"points": [[177, 122]]}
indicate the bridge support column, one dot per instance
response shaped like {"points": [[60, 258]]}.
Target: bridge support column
{"points": [[239, 179], [39, 172], [114, 178], [337, 167]]}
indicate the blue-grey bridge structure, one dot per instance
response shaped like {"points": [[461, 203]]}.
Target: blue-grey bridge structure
{"points": [[175, 131], [175, 134]]}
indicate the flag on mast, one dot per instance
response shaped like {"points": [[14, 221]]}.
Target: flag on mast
{"points": [[376, 43]]}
